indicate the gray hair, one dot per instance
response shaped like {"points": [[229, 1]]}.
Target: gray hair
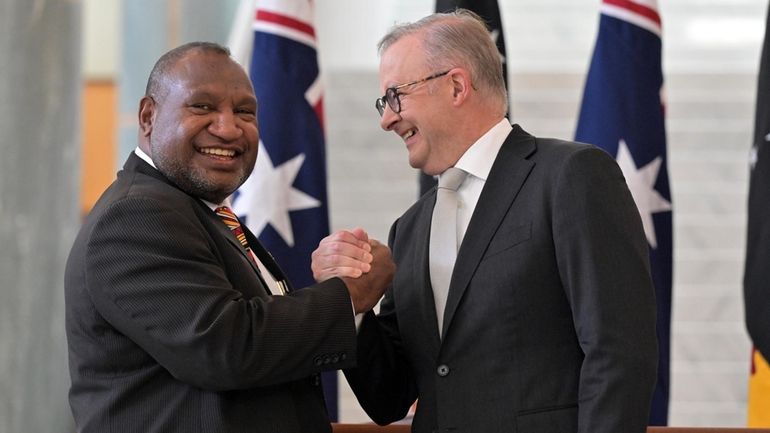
{"points": [[168, 60], [457, 39]]}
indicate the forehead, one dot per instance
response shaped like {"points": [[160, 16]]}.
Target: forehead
{"points": [[202, 70], [402, 62]]}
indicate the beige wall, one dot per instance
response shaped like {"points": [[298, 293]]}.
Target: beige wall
{"points": [[101, 33]]}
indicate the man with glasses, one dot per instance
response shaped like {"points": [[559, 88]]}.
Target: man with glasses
{"points": [[535, 310]]}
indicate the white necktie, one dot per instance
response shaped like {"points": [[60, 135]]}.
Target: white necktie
{"points": [[443, 238]]}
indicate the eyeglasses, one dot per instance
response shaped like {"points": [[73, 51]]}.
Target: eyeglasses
{"points": [[391, 96]]}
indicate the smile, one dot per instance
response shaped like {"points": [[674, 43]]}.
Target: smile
{"points": [[216, 151], [408, 134]]}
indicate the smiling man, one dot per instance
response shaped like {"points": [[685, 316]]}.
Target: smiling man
{"points": [[174, 315], [522, 300]]}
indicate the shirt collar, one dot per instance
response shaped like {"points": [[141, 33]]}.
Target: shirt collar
{"points": [[145, 157], [478, 159]]}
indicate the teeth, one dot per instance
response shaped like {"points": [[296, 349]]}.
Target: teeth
{"points": [[218, 152], [408, 134]]}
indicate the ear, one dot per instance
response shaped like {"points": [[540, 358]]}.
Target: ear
{"points": [[461, 85], [146, 116]]}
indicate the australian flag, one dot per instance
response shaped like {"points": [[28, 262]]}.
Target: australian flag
{"points": [[622, 112], [284, 200]]}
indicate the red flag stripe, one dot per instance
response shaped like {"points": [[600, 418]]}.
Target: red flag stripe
{"points": [[319, 111], [647, 12], [283, 20]]}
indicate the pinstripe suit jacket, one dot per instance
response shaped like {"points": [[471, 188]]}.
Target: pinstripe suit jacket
{"points": [[549, 325], [170, 328]]}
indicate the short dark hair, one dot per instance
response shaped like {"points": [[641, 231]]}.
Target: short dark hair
{"points": [[168, 60]]}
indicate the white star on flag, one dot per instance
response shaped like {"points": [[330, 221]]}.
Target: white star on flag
{"points": [[641, 182], [268, 196]]}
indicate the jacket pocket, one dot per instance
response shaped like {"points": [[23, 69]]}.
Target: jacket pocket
{"points": [[509, 237], [561, 419]]}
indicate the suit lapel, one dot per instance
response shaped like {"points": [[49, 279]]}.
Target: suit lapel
{"points": [[508, 174], [268, 261], [225, 231], [262, 255]]}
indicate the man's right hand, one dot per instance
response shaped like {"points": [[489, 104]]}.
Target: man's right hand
{"points": [[366, 290]]}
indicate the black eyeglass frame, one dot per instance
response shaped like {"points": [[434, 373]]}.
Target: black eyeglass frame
{"points": [[391, 96]]}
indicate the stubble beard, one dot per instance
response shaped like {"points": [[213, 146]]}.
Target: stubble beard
{"points": [[193, 180]]}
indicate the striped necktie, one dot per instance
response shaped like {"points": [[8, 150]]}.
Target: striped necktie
{"points": [[231, 221]]}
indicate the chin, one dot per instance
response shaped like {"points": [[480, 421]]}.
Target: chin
{"points": [[207, 189], [429, 171], [419, 165]]}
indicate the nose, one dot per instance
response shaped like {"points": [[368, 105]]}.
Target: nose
{"points": [[225, 126], [389, 118]]}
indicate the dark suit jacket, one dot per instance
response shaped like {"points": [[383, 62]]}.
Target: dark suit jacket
{"points": [[550, 319], [170, 328]]}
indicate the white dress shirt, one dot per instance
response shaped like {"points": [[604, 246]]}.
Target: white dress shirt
{"points": [[477, 162]]}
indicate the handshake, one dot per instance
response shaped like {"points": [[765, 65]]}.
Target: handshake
{"points": [[363, 264]]}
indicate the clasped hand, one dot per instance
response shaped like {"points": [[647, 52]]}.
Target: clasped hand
{"points": [[363, 264]]}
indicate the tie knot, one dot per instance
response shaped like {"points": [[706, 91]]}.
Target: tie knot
{"points": [[231, 221], [227, 215], [452, 178]]}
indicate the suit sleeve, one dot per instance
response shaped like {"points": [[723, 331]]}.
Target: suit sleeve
{"points": [[603, 260], [155, 275], [383, 380]]}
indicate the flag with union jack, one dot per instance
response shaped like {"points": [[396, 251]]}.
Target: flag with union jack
{"points": [[622, 112], [284, 201]]}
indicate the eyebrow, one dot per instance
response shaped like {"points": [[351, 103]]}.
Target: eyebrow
{"points": [[205, 94]]}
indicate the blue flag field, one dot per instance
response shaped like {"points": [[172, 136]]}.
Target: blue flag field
{"points": [[622, 112], [284, 201]]}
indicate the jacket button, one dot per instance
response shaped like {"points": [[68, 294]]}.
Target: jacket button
{"points": [[442, 370]]}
